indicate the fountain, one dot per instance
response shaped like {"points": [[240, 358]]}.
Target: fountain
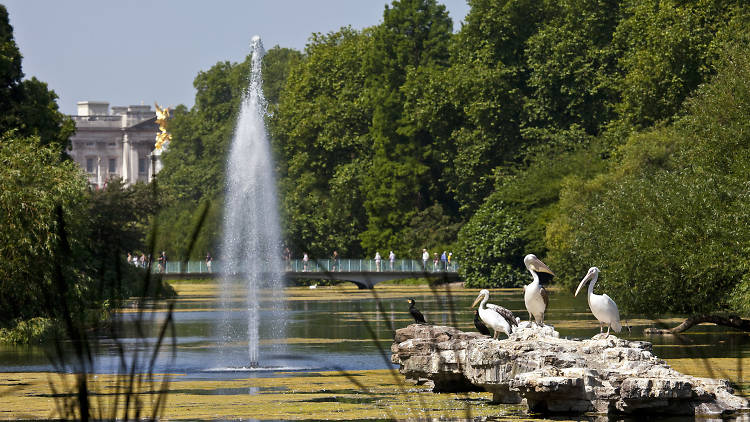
{"points": [[251, 247]]}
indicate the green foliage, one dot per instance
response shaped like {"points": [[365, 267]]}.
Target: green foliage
{"points": [[489, 248], [666, 225], [276, 66], [739, 298], [320, 130], [497, 31], [431, 229], [671, 55], [470, 114], [175, 226], [571, 66], [34, 184], [351, 176], [116, 221], [34, 330], [414, 34], [63, 247]]}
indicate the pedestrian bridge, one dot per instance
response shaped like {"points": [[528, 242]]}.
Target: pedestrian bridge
{"points": [[365, 273]]}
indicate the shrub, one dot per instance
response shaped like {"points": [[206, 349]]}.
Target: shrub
{"points": [[489, 247]]}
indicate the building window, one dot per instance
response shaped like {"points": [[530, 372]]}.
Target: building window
{"points": [[90, 165], [142, 165], [112, 165]]}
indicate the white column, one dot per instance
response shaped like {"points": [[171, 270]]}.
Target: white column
{"points": [[125, 172], [133, 164], [98, 172]]}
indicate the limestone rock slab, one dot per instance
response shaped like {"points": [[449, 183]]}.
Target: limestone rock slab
{"points": [[556, 375]]}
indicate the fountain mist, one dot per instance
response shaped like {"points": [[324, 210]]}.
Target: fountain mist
{"points": [[251, 248]]}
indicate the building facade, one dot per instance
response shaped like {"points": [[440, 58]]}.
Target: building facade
{"points": [[116, 143]]}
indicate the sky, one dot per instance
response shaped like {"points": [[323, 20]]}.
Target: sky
{"points": [[137, 52]]}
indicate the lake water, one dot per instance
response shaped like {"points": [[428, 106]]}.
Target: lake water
{"points": [[343, 328]]}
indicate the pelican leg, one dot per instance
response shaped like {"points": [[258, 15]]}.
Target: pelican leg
{"points": [[494, 336], [542, 319], [607, 335], [601, 327]]}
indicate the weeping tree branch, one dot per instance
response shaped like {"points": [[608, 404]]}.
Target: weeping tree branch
{"points": [[732, 321]]}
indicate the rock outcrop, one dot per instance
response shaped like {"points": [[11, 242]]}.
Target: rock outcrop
{"points": [[555, 375]]}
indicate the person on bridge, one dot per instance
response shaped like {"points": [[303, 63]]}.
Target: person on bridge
{"points": [[391, 259], [287, 258], [209, 260], [425, 258], [377, 261], [335, 262], [163, 262], [444, 261], [305, 260]]}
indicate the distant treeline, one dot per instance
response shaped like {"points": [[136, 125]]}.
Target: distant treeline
{"points": [[588, 132]]}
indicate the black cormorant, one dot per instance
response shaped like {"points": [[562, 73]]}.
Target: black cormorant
{"points": [[418, 317]]}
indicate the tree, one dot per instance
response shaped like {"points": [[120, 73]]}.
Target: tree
{"points": [[673, 53], [320, 132], [35, 184], [116, 223], [470, 115], [489, 247], [414, 34], [571, 67]]}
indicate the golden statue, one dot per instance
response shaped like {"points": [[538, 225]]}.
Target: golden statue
{"points": [[162, 138]]}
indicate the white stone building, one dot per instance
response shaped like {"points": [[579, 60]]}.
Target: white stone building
{"points": [[116, 144]]}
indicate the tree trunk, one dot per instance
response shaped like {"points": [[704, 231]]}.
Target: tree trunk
{"points": [[732, 321]]}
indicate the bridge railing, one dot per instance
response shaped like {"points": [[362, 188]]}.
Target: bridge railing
{"points": [[319, 265], [369, 265]]}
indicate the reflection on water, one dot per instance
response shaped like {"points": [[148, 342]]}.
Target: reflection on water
{"points": [[344, 328]]}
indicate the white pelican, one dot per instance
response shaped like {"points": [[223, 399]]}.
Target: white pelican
{"points": [[534, 295], [602, 306], [496, 317]]}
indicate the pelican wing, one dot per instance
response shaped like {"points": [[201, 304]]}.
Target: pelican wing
{"points": [[545, 296], [613, 306], [506, 314], [605, 310]]}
